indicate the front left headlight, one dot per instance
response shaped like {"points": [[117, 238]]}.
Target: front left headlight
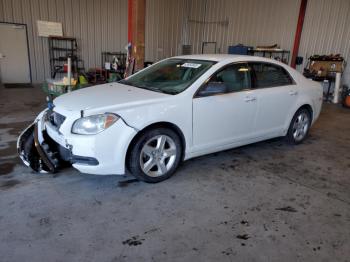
{"points": [[95, 124]]}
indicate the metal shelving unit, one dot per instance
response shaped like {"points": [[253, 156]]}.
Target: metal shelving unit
{"points": [[280, 55], [60, 48], [107, 57]]}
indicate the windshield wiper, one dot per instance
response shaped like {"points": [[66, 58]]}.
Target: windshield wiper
{"points": [[154, 89], [171, 92], [124, 82]]}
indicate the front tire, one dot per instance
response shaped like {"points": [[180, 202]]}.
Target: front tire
{"points": [[299, 127], [155, 155]]}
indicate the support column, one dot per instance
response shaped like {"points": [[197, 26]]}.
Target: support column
{"points": [[298, 32], [136, 30]]}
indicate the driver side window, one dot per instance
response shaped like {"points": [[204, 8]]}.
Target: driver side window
{"points": [[236, 77]]}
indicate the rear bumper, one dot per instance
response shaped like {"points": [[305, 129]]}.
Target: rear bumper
{"points": [[46, 149]]}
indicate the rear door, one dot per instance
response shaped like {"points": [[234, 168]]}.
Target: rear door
{"points": [[276, 94]]}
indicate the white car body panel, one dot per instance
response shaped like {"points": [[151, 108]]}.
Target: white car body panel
{"points": [[211, 131], [274, 104], [208, 124]]}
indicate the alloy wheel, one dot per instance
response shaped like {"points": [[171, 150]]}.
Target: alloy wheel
{"points": [[301, 126], [158, 155]]}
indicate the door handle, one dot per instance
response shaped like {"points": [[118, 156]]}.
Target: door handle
{"points": [[293, 93], [249, 99]]}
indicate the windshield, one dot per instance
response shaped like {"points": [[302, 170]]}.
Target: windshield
{"points": [[171, 76]]}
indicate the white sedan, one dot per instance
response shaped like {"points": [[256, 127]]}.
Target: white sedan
{"points": [[174, 110]]}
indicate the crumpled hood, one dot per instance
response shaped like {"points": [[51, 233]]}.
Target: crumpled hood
{"points": [[106, 96]]}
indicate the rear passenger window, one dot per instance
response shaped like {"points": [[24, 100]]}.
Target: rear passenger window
{"points": [[269, 75]]}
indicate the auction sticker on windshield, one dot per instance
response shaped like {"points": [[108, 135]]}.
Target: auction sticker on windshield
{"points": [[191, 65]]}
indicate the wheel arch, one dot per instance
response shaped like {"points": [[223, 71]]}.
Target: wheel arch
{"points": [[308, 107], [289, 119], [163, 124]]}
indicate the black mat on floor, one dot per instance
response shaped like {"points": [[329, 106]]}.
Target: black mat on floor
{"points": [[18, 85]]}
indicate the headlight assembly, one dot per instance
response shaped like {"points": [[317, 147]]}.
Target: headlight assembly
{"points": [[95, 124]]}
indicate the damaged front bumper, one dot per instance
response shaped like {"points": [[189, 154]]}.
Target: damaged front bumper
{"points": [[47, 148], [46, 155], [33, 153], [40, 152]]}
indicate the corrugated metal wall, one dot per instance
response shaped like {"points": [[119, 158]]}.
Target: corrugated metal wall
{"points": [[250, 22], [99, 25], [164, 25], [227, 22], [102, 25], [327, 30], [169, 24]]}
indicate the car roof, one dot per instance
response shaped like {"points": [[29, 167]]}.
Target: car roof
{"points": [[227, 58], [210, 57]]}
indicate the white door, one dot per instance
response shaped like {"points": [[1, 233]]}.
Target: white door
{"points": [[276, 95], [14, 59], [223, 119]]}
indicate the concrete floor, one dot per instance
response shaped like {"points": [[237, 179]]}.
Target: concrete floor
{"points": [[264, 202]]}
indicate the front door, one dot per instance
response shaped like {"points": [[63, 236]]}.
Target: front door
{"points": [[14, 59], [221, 120]]}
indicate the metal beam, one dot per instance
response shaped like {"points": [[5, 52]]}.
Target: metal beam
{"points": [[130, 3], [136, 30], [298, 32]]}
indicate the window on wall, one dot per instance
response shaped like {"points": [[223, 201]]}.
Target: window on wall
{"points": [[269, 75], [236, 77]]}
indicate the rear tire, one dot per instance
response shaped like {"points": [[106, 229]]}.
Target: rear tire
{"points": [[299, 127], [155, 155]]}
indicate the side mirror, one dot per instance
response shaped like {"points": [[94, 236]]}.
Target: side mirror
{"points": [[213, 88]]}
